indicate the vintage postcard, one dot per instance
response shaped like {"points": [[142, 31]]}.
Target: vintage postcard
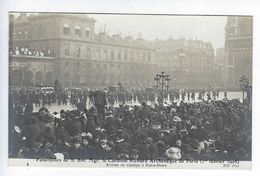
{"points": [[130, 90]]}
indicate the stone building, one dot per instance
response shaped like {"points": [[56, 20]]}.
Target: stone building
{"points": [[190, 63], [238, 45], [64, 47], [221, 68]]}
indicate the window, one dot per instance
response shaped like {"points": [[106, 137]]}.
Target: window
{"points": [[26, 34], [118, 66], [98, 53], [66, 29], [14, 35], [87, 32], [149, 57], [78, 64], [132, 55], [77, 31], [41, 31], [105, 54], [67, 50], [125, 56], [138, 55], [20, 35], [112, 55], [143, 56], [119, 55], [66, 64], [78, 52], [88, 52]]}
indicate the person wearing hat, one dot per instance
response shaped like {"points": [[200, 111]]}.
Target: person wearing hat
{"points": [[90, 149], [77, 151], [144, 111], [123, 155], [122, 142], [141, 146], [107, 150], [152, 150], [134, 154], [173, 153], [219, 152]]}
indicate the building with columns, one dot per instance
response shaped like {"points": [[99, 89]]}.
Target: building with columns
{"points": [[238, 45]]}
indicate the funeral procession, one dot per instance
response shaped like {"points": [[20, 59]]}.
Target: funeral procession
{"points": [[129, 87]]}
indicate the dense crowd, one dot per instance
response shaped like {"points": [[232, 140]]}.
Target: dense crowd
{"points": [[73, 96], [24, 51], [207, 129]]}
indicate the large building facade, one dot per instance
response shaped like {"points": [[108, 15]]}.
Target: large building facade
{"points": [[238, 45], [64, 47], [221, 68], [190, 63], [49, 47]]}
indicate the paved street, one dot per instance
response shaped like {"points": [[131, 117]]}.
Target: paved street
{"points": [[54, 107]]}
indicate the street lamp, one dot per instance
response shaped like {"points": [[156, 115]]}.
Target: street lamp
{"points": [[244, 84], [162, 81], [156, 81]]}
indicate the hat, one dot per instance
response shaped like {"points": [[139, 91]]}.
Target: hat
{"points": [[156, 126], [187, 148], [110, 144], [17, 129], [109, 112], [43, 109], [59, 156], [149, 140], [76, 139], [176, 119], [123, 155], [97, 128], [143, 136], [134, 151], [125, 152], [161, 143], [165, 131], [173, 153]]}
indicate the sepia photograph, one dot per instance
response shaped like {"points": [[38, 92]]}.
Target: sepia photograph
{"points": [[130, 87]]}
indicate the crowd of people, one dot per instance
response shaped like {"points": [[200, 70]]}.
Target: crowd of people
{"points": [[207, 129], [24, 51], [74, 96]]}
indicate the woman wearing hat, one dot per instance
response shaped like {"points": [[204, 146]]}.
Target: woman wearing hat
{"points": [[173, 153]]}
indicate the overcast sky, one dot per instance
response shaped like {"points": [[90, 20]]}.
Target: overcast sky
{"points": [[206, 28]]}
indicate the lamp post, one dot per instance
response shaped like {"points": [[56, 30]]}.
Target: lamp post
{"points": [[162, 82], [244, 84]]}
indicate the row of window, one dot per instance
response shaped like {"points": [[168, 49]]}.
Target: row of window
{"points": [[240, 44], [21, 35], [77, 30], [78, 64], [105, 54]]}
